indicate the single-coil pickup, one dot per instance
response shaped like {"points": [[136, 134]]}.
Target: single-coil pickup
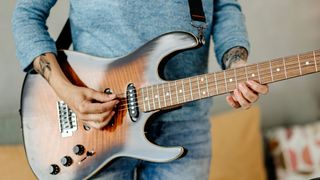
{"points": [[132, 101]]}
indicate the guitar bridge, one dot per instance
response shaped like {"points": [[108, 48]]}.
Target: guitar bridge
{"points": [[67, 119]]}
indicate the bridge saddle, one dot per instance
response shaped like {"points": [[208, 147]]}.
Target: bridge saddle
{"points": [[67, 119]]}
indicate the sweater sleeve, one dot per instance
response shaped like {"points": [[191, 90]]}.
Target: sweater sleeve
{"points": [[30, 31], [228, 28]]}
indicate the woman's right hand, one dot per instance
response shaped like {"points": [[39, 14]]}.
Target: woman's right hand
{"points": [[94, 108]]}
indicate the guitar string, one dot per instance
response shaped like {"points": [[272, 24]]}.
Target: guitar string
{"points": [[238, 78], [212, 83], [267, 69], [217, 84]]}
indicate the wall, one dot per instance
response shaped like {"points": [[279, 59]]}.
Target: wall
{"points": [[276, 28]]}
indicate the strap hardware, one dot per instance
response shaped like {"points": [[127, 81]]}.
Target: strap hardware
{"points": [[201, 26]]}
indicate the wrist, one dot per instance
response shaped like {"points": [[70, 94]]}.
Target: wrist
{"points": [[233, 55], [48, 67]]}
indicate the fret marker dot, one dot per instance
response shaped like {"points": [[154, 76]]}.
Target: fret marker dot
{"points": [[278, 69], [202, 79], [252, 75], [146, 98], [307, 63], [230, 80], [203, 92], [180, 91], [156, 96], [167, 94]]}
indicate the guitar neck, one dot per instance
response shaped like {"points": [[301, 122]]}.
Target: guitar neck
{"points": [[177, 92]]}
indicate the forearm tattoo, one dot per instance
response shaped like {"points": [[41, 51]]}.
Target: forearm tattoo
{"points": [[233, 55], [44, 67]]}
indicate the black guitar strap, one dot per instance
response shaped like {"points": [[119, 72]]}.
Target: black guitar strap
{"points": [[196, 11], [64, 39], [198, 20]]}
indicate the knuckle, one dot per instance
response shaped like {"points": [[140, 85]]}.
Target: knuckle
{"points": [[253, 98], [246, 106], [100, 119], [80, 116], [81, 108]]}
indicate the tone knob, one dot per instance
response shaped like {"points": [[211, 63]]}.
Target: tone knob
{"points": [[78, 149], [66, 161], [54, 169]]}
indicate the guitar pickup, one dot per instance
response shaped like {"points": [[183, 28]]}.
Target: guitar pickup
{"points": [[132, 102]]}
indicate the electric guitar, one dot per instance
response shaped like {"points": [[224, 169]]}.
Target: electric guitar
{"points": [[59, 146]]}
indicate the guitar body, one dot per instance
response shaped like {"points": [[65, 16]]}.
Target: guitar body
{"points": [[45, 144]]}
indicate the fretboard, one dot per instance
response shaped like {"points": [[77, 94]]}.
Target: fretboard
{"points": [[177, 92]]}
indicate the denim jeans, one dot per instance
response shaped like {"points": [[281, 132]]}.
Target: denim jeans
{"points": [[192, 135]]}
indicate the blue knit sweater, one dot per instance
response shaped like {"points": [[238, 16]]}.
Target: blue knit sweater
{"points": [[111, 28]]}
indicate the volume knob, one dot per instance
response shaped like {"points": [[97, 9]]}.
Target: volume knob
{"points": [[54, 169], [66, 161], [78, 149]]}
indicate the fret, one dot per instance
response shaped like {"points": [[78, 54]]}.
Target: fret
{"points": [[190, 84], [284, 67], [164, 95], [203, 86], [225, 81], [173, 92], [221, 82], [212, 88], [148, 99], [161, 98], [169, 93], [216, 83], [317, 57], [144, 104], [152, 97], [183, 91], [271, 70], [230, 79], [265, 72], [292, 66], [241, 75], [258, 72], [158, 97], [199, 90], [252, 72], [186, 90], [235, 76], [314, 59], [277, 69], [307, 63], [177, 93], [246, 72], [207, 86], [299, 64]]}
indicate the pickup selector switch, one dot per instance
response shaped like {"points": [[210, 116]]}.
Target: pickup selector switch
{"points": [[78, 149], [54, 169], [66, 161]]}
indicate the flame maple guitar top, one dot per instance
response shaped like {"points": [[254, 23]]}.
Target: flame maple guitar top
{"points": [[44, 144]]}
